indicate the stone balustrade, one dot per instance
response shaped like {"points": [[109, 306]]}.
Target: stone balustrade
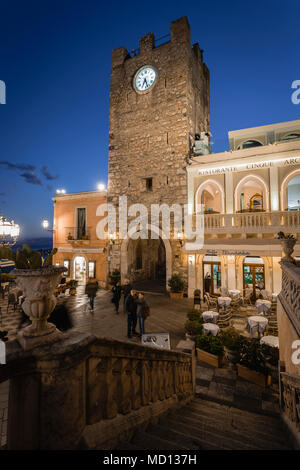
{"points": [[290, 405], [290, 294], [88, 392], [252, 222]]}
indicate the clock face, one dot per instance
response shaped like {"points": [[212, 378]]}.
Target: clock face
{"points": [[145, 78]]}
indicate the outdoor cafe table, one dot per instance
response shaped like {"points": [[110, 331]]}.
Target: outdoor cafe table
{"points": [[263, 305], [210, 329], [234, 293], [210, 316], [257, 324], [270, 341], [224, 301]]}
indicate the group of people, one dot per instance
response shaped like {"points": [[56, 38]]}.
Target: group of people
{"points": [[134, 305]]}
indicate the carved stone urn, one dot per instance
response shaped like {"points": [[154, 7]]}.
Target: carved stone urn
{"points": [[38, 287], [288, 245]]}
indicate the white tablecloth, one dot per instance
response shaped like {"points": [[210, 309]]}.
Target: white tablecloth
{"points": [[224, 301], [234, 292], [210, 329], [257, 324], [263, 305], [270, 341], [210, 316], [274, 297]]}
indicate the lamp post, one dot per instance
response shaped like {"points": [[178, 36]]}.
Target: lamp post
{"points": [[9, 232], [45, 225]]}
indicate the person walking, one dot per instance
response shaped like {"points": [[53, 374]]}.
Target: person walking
{"points": [[142, 312], [131, 307], [91, 291], [116, 290], [126, 291]]}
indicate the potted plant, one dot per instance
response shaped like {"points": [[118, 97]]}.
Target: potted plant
{"points": [[70, 237], [37, 278], [209, 349], [177, 286], [193, 328], [232, 342], [288, 242], [252, 365]]}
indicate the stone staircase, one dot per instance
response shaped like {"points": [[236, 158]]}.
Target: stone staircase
{"points": [[206, 425]]}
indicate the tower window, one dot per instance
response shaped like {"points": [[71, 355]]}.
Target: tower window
{"points": [[149, 184]]}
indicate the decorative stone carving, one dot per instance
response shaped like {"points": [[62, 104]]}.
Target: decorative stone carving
{"points": [[290, 385], [290, 293], [288, 245], [38, 287]]}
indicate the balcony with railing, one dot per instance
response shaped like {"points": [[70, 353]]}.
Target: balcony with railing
{"points": [[78, 235], [252, 222]]}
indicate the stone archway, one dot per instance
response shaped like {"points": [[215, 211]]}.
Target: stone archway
{"points": [[126, 245]]}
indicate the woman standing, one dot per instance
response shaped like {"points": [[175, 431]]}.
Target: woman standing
{"points": [[142, 312]]}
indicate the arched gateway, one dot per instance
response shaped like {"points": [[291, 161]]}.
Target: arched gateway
{"points": [[146, 261]]}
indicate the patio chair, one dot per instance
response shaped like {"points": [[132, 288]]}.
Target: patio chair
{"points": [[266, 295], [247, 297], [11, 301], [211, 302], [224, 291]]}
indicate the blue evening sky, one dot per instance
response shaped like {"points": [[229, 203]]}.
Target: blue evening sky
{"points": [[55, 60]]}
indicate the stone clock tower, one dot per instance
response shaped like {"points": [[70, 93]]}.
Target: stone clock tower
{"points": [[159, 100]]}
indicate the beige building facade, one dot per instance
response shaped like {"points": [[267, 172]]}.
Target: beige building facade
{"points": [[248, 194], [79, 248]]}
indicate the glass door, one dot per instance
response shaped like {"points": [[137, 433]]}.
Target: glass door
{"points": [[211, 277], [254, 278]]}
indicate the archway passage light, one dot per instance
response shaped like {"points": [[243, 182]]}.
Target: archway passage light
{"points": [[9, 232]]}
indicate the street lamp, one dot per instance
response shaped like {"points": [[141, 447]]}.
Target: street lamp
{"points": [[101, 187], [45, 225], [9, 232]]}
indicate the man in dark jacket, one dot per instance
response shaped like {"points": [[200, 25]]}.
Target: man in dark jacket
{"points": [[126, 291], [131, 307], [91, 291]]}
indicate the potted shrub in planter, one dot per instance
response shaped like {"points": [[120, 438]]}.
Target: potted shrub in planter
{"points": [[193, 328], [252, 366], [38, 280], [288, 242], [232, 342], [209, 349], [177, 286]]}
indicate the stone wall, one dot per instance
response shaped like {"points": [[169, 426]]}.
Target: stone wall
{"points": [[87, 392], [149, 133]]}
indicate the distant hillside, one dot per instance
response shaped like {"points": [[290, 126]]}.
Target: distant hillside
{"points": [[43, 243]]}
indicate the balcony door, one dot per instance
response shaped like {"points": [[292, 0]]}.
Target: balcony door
{"points": [[81, 223]]}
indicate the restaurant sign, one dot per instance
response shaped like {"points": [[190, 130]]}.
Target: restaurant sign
{"points": [[249, 166]]}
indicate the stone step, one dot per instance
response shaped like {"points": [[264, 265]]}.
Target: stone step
{"points": [[222, 411], [143, 440], [181, 436], [233, 428]]}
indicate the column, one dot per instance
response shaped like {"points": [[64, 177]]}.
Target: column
{"points": [[190, 190], [277, 275], [274, 191], [228, 193], [231, 272], [191, 275]]}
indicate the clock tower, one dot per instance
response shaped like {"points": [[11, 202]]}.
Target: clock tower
{"points": [[159, 100]]}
